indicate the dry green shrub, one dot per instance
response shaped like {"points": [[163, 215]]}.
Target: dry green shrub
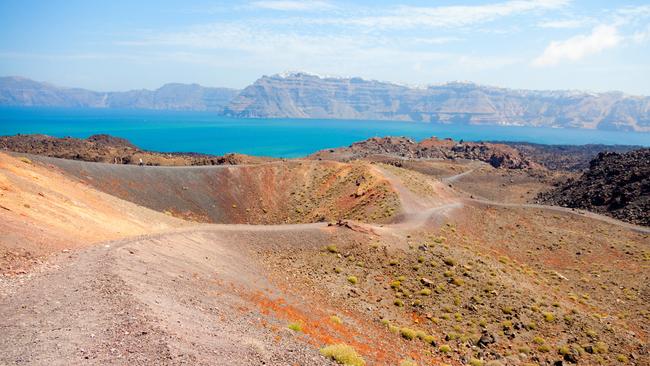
{"points": [[343, 354]]}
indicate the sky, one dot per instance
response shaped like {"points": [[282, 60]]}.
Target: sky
{"points": [[530, 44]]}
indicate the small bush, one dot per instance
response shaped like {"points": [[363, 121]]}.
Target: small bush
{"points": [[335, 319], [538, 340], [425, 292], [395, 284], [398, 302], [393, 329], [524, 350], [530, 325], [549, 317], [450, 262], [457, 281], [600, 347], [343, 354], [296, 327], [475, 362], [429, 339], [25, 160], [331, 248], [544, 348], [445, 348], [507, 310], [408, 333], [621, 358], [353, 280], [420, 334], [591, 334]]}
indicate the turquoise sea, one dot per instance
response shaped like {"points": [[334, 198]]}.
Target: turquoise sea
{"points": [[207, 133]]}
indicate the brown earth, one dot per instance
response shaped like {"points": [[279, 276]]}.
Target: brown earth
{"points": [[506, 283], [270, 193]]}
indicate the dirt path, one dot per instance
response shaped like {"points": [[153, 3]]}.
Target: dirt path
{"points": [[572, 211], [174, 298], [454, 178]]}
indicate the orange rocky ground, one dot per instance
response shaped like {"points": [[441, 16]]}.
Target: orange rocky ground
{"points": [[443, 278]]}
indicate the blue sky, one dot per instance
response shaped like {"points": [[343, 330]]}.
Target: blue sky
{"points": [[534, 44]]}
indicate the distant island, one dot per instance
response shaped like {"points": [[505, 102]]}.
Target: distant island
{"points": [[306, 96]]}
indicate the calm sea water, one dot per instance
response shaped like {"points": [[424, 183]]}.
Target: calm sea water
{"points": [[207, 133]]}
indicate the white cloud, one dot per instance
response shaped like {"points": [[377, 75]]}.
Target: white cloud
{"points": [[448, 16], [642, 36], [290, 5], [563, 24], [575, 48]]}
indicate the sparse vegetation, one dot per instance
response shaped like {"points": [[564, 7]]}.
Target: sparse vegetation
{"points": [[549, 317], [353, 280], [449, 261], [408, 363], [296, 326], [600, 347], [408, 333], [343, 354], [475, 362]]}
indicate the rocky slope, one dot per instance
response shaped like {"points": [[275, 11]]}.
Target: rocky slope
{"points": [[301, 95], [109, 149], [615, 184], [16, 91], [573, 158], [497, 155]]}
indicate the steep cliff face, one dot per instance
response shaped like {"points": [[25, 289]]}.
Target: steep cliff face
{"points": [[301, 95]]}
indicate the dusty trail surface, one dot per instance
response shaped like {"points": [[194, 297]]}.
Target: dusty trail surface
{"points": [[176, 298]]}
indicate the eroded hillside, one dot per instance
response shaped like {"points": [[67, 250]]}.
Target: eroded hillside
{"points": [[287, 192]]}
